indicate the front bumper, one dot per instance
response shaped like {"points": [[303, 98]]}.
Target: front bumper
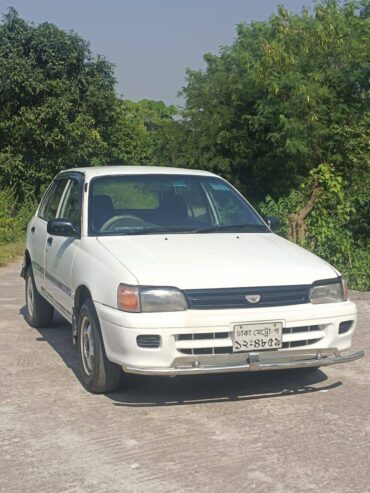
{"points": [[253, 362], [197, 341]]}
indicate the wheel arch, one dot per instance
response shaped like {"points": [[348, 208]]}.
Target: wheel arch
{"points": [[26, 263], [82, 294]]}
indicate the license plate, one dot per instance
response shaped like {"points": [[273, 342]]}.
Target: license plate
{"points": [[258, 337]]}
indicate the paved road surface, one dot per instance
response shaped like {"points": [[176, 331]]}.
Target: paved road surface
{"points": [[267, 432]]}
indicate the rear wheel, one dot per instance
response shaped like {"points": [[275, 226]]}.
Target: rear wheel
{"points": [[39, 313], [98, 374]]}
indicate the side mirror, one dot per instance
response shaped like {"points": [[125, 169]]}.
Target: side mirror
{"points": [[273, 223], [62, 227]]}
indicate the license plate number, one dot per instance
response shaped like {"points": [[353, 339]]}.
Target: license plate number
{"points": [[258, 337]]}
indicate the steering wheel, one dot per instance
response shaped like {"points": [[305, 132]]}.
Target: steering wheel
{"points": [[114, 221]]}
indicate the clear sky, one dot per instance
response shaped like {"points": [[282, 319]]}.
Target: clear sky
{"points": [[151, 42]]}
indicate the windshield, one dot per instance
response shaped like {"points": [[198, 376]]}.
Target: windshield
{"points": [[159, 203]]}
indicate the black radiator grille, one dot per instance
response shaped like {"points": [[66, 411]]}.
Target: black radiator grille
{"points": [[208, 299]]}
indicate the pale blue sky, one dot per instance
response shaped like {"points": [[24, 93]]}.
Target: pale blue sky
{"points": [[151, 42]]}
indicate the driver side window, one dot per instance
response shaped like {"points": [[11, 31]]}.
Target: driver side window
{"points": [[49, 207], [70, 208]]}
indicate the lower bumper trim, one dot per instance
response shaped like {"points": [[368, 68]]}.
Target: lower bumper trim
{"points": [[253, 363]]}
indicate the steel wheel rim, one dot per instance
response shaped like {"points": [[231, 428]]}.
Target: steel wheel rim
{"points": [[87, 345], [30, 296]]}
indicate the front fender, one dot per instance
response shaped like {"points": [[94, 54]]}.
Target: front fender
{"points": [[101, 273]]}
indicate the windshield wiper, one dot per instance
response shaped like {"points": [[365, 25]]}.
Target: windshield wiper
{"points": [[150, 231], [232, 227], [214, 229]]}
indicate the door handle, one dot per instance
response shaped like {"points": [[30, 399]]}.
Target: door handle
{"points": [[49, 241], [33, 229]]}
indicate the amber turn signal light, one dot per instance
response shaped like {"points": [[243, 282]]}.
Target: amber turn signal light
{"points": [[128, 298]]}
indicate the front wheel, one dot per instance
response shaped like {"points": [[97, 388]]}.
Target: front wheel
{"points": [[39, 313], [98, 374]]}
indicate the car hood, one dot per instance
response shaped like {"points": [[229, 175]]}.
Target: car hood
{"points": [[196, 261]]}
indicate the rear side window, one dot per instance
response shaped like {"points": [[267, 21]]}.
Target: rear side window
{"points": [[50, 204]]}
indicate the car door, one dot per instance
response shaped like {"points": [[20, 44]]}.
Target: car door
{"points": [[60, 251], [37, 231]]}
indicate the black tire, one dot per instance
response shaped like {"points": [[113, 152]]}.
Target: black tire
{"points": [[39, 312], [98, 374]]}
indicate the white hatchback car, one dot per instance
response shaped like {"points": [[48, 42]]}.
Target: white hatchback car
{"points": [[165, 271]]}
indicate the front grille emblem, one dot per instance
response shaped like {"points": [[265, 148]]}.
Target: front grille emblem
{"points": [[253, 298]]}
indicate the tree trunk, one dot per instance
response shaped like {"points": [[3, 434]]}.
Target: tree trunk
{"points": [[297, 229]]}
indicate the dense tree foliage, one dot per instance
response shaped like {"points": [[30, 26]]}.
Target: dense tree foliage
{"points": [[56, 102], [138, 131], [58, 108], [289, 94]]}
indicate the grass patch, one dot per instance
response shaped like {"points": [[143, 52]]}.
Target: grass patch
{"points": [[11, 251], [14, 217]]}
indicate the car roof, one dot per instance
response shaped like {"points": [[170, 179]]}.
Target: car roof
{"points": [[93, 171]]}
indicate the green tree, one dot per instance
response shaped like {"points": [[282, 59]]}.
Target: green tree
{"points": [[59, 109], [57, 104], [138, 130], [275, 104]]}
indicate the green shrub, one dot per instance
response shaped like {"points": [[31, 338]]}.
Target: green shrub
{"points": [[25, 212], [14, 217], [8, 221]]}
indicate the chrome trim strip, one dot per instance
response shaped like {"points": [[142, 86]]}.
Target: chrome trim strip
{"points": [[37, 267], [253, 364], [51, 278], [58, 283], [56, 305]]}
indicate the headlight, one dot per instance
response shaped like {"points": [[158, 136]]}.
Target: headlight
{"points": [[329, 291], [138, 299], [162, 300]]}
